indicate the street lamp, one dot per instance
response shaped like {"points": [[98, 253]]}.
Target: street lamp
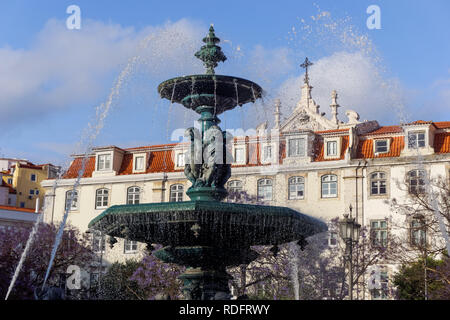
{"points": [[349, 231]]}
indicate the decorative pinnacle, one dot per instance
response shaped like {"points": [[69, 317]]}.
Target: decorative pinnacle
{"points": [[211, 53]]}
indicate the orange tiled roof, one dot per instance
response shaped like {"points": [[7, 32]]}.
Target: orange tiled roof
{"points": [[161, 156], [421, 122], [9, 208], [442, 124], [319, 150], [442, 142], [385, 130], [76, 165], [365, 149], [332, 131]]}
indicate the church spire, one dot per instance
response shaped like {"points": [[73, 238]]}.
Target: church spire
{"points": [[306, 88]]}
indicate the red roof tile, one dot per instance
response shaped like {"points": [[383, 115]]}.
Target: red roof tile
{"points": [[365, 149], [331, 131], [319, 150], [421, 122], [9, 208], [442, 124], [385, 130], [72, 172], [442, 142]]}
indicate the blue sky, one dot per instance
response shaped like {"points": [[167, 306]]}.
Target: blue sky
{"points": [[52, 79]]}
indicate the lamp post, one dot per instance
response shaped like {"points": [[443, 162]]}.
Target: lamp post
{"points": [[349, 231]]}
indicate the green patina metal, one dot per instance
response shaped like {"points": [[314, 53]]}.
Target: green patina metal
{"points": [[211, 54], [204, 234]]}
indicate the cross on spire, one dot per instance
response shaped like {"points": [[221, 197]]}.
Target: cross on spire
{"points": [[305, 65]]}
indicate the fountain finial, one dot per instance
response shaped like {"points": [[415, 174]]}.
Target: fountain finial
{"points": [[211, 53]]}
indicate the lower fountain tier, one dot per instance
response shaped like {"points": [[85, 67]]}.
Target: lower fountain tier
{"points": [[206, 223]]}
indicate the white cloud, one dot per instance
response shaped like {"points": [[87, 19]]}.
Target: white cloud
{"points": [[63, 68], [359, 85]]}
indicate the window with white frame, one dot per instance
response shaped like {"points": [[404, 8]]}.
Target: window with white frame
{"points": [[98, 242], [71, 196], [416, 181], [378, 232], [383, 290], [267, 153], [332, 239], [239, 155], [332, 148], [378, 183], [176, 193], [235, 186], [104, 162], [130, 246], [381, 146], [416, 139], [101, 198], [297, 147], [33, 177], [181, 159], [133, 194], [265, 189], [139, 163], [296, 188], [418, 232], [329, 186], [10, 181]]}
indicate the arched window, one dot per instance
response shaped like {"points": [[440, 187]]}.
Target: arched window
{"points": [[296, 188], [416, 181], [378, 183], [265, 189], [235, 186], [418, 231], [176, 192], [133, 194], [101, 198], [329, 186], [74, 195]]}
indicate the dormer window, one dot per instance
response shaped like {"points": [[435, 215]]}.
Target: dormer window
{"points": [[139, 163], [267, 154], [381, 146], [297, 147], [239, 154], [416, 139], [181, 160], [104, 162], [332, 148]]}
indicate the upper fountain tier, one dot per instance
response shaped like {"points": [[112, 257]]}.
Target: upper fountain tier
{"points": [[217, 91]]}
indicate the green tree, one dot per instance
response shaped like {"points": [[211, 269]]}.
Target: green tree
{"points": [[410, 280]]}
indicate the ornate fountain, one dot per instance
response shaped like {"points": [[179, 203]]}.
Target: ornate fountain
{"points": [[205, 234]]}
